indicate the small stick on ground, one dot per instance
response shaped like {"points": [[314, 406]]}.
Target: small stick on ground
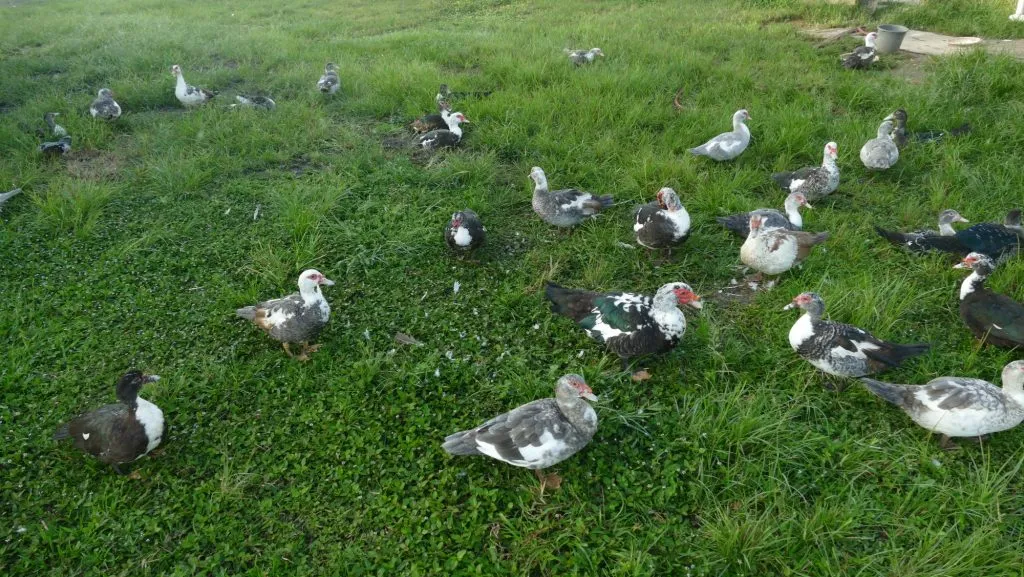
{"points": [[675, 101]]}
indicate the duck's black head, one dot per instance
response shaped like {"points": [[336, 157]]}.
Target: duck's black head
{"points": [[130, 383], [1012, 219]]}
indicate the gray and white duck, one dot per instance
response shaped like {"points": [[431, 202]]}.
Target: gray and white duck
{"points": [[862, 57], [329, 82], [960, 406], [105, 107], [839, 349], [993, 318], [258, 102], [444, 138], [186, 93], [581, 57], [813, 181], [773, 251], [728, 145], [464, 233], [536, 435], [628, 324], [56, 129], [739, 224], [880, 153], [662, 224], [5, 196], [122, 432], [297, 318], [567, 207], [917, 241], [998, 241]]}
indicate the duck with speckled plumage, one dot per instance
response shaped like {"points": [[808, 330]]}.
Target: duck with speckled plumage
{"points": [[464, 232], [105, 107], [662, 224], [297, 318], [186, 93], [567, 207]]}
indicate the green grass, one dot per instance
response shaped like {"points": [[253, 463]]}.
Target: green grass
{"points": [[731, 460]]}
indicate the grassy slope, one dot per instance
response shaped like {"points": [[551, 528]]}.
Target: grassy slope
{"points": [[732, 459]]}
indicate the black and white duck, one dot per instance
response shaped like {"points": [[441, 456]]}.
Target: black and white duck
{"points": [[566, 207], [913, 240], [62, 146], [662, 224], [813, 181], [105, 107], [55, 128], [186, 93], [259, 102], [121, 432], [329, 82], [581, 57], [739, 224], [728, 145], [444, 138], [997, 241], [960, 406], [862, 57], [627, 324], [880, 153], [773, 251], [5, 196], [839, 349], [536, 435], [993, 318], [464, 232], [297, 318]]}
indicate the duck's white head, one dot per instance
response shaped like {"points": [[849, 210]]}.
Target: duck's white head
{"points": [[176, 70], [869, 39], [812, 303], [678, 294], [538, 176], [1013, 375], [105, 93], [311, 279], [571, 387], [740, 116], [596, 52], [457, 118], [949, 216], [669, 200], [831, 151], [796, 200]]}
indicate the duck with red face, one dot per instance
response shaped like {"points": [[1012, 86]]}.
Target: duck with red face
{"points": [[297, 318]]}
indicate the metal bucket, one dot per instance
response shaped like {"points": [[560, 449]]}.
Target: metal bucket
{"points": [[890, 36]]}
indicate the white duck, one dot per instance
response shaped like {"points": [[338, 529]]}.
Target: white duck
{"points": [[960, 406], [728, 145], [880, 153], [187, 94]]}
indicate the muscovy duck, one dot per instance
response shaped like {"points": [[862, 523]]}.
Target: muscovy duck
{"points": [[994, 318], [187, 94], [105, 107], [465, 232], [581, 57], [5, 196], [55, 128], [329, 82], [629, 325], [862, 57], [62, 146], [840, 349], [260, 102], [813, 181], [567, 207], [997, 241], [448, 138], [960, 406], [774, 251], [739, 224], [536, 435], [121, 432], [901, 135], [662, 224], [297, 318], [728, 145], [880, 153], [912, 240]]}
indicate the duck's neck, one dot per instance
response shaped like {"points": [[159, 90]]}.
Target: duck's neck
{"points": [[455, 129], [739, 126], [829, 163], [869, 42], [946, 229], [576, 411], [181, 82], [793, 213], [311, 295], [540, 184], [971, 284]]}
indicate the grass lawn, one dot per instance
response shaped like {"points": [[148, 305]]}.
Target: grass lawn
{"points": [[733, 459]]}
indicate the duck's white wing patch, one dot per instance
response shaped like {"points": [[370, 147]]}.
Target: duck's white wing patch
{"points": [[85, 436]]}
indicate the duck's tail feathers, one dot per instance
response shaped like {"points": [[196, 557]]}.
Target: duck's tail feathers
{"points": [[62, 432], [606, 200], [573, 303], [461, 443], [783, 179], [894, 354], [736, 223], [698, 151], [247, 313], [895, 394], [892, 236]]}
